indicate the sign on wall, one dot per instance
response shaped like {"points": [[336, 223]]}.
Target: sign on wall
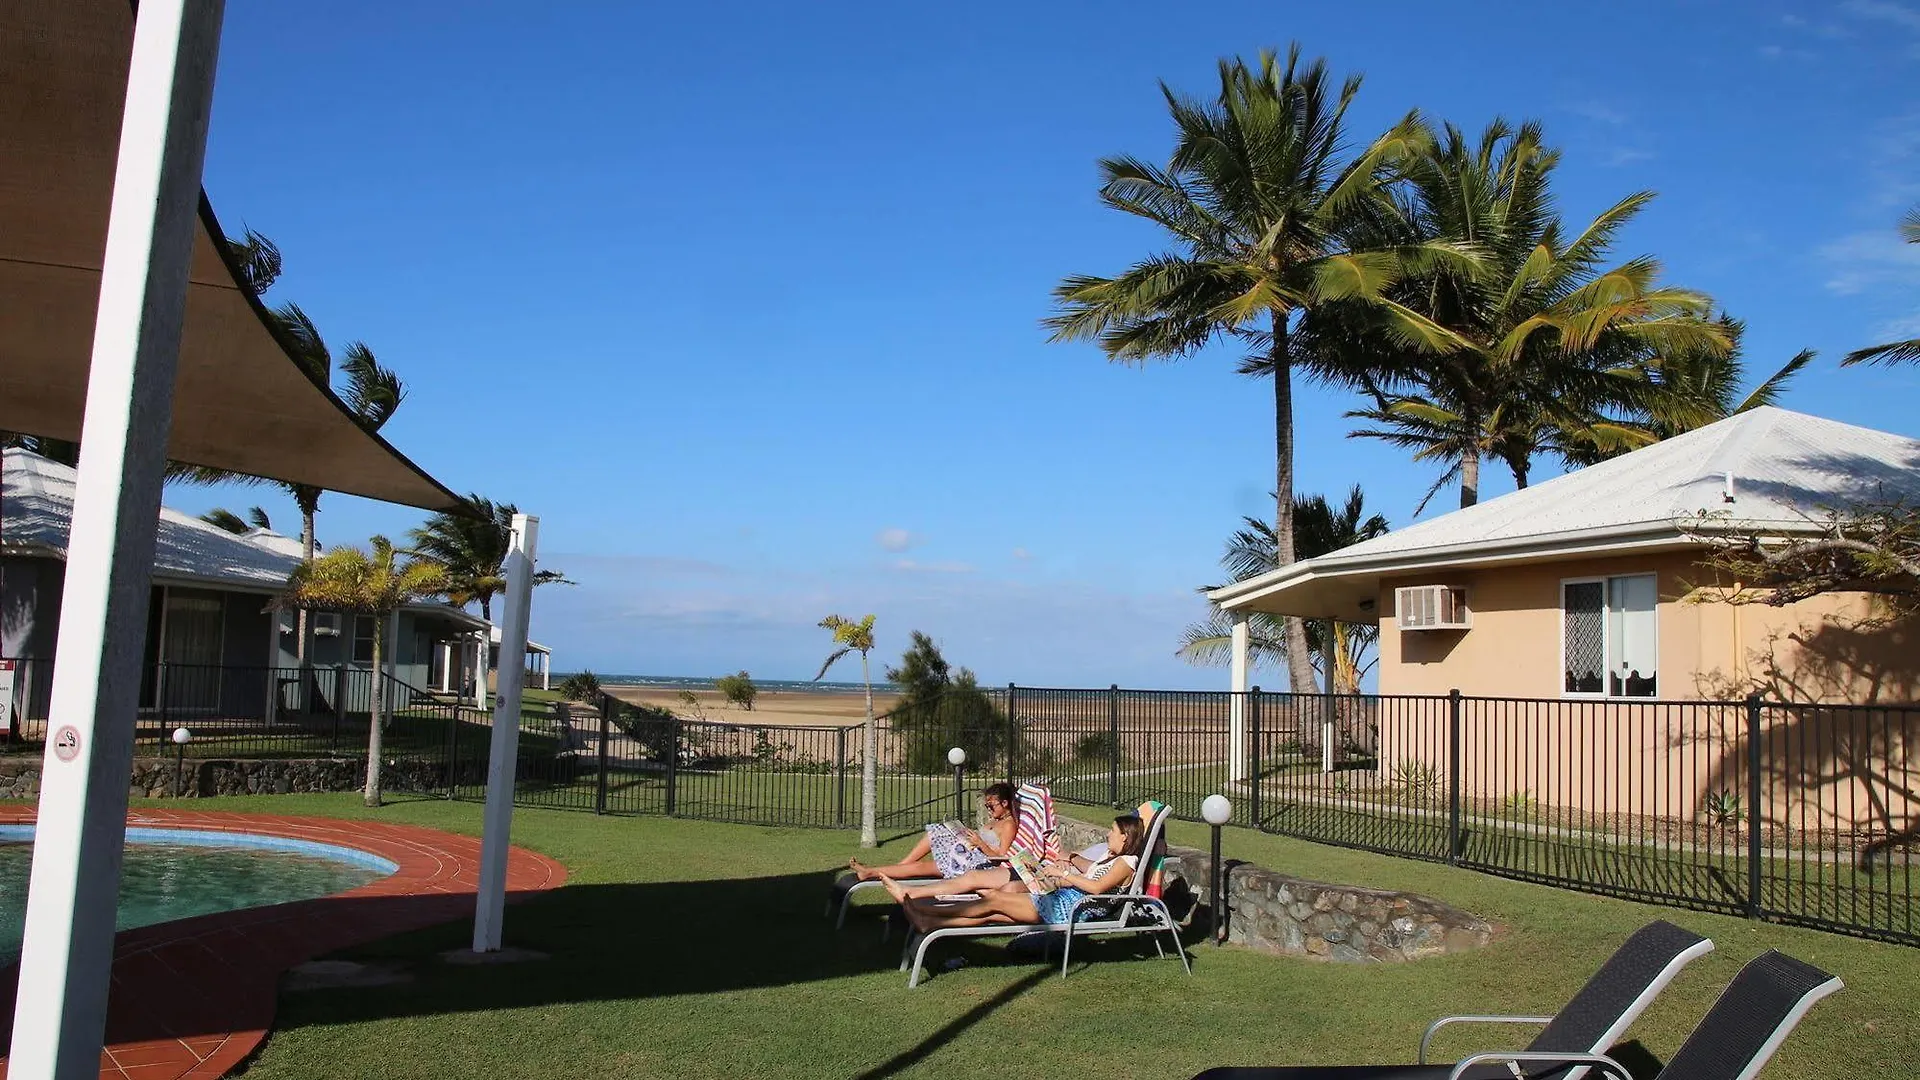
{"points": [[6, 696]]}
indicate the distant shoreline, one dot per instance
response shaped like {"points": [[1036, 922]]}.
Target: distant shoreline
{"points": [[766, 686], [820, 705]]}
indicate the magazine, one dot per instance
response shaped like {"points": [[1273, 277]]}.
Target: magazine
{"points": [[1029, 869]]}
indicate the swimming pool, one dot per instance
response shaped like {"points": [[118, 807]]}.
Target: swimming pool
{"points": [[175, 873]]}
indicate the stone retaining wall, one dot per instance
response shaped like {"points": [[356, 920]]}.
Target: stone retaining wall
{"points": [[1279, 913], [157, 778]]}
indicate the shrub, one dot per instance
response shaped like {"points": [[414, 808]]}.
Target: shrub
{"points": [[652, 726], [1417, 779], [738, 689], [1723, 809], [940, 710], [1095, 746], [581, 686]]}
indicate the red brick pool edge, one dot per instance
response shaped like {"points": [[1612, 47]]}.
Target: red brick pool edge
{"points": [[194, 997]]}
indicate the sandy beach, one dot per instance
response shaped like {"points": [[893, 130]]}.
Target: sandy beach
{"points": [[770, 709]]}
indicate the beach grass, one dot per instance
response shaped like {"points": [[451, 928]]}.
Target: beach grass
{"points": [[700, 950]]}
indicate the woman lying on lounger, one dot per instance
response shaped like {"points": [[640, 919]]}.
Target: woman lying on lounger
{"points": [[946, 852], [1015, 903]]}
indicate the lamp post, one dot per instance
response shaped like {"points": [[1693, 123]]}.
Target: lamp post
{"points": [[957, 757], [181, 737], [1217, 811]]}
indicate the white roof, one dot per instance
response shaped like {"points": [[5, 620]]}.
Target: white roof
{"points": [[1788, 468], [36, 504], [1788, 471], [532, 645]]}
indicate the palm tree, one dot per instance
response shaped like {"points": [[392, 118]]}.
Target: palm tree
{"points": [[372, 394], [1259, 208], [352, 581], [1319, 529], [222, 518], [1893, 352], [470, 547], [1541, 336], [857, 637], [1677, 394], [258, 260]]}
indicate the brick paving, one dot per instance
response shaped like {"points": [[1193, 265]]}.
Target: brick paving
{"points": [[194, 997]]}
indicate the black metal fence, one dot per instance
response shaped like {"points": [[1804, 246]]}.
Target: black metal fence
{"points": [[1798, 813]]}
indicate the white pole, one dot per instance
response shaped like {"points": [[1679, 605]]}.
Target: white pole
{"points": [[503, 756], [1237, 710], [66, 956]]}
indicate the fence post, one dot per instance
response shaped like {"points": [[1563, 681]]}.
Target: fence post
{"points": [[673, 765], [1453, 777], [453, 755], [1754, 906], [1253, 773], [1113, 745], [607, 705], [840, 787], [1012, 727]]}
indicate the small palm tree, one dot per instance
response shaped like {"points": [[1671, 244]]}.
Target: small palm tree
{"points": [[222, 518], [1339, 648], [1893, 352], [1260, 204], [857, 637], [470, 547], [352, 581]]}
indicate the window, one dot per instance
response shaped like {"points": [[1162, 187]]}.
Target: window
{"points": [[364, 627], [1608, 645]]}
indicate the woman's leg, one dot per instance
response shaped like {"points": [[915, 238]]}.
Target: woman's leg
{"points": [[917, 864], [983, 880], [1001, 905]]}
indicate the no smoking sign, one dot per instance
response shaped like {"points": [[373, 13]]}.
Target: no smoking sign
{"points": [[66, 742]]}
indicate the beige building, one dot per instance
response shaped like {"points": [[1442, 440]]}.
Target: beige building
{"points": [[1581, 605], [1588, 586]]}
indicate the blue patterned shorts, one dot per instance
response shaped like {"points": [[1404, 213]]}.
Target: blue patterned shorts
{"points": [[1054, 907]]}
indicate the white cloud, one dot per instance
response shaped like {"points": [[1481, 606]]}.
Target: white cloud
{"points": [[1627, 155], [1598, 112], [1871, 258], [912, 567], [896, 539], [1022, 554], [1898, 329], [1885, 11]]}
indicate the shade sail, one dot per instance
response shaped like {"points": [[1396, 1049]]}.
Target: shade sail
{"points": [[240, 400]]}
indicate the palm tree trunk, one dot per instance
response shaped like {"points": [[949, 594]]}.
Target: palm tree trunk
{"points": [[869, 778], [374, 726], [302, 627], [1469, 478], [1299, 661]]}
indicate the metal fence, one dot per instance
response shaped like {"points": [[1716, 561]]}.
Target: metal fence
{"points": [[1796, 813], [1799, 813]]}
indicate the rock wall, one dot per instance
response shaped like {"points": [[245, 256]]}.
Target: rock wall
{"points": [[160, 778], [1279, 913]]}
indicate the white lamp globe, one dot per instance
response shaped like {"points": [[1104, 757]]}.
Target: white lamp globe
{"points": [[181, 736], [1216, 810], [956, 757]]}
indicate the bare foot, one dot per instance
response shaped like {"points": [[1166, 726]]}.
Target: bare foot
{"points": [[893, 888], [860, 870]]}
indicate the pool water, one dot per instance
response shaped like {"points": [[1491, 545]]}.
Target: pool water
{"points": [[169, 874]]}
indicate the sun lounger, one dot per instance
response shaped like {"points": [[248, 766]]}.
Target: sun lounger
{"points": [[1128, 910], [1734, 1041], [1592, 1021], [1035, 831]]}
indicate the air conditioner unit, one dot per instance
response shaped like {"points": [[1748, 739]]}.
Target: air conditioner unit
{"points": [[326, 624], [1432, 607]]}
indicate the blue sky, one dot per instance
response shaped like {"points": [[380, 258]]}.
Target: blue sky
{"points": [[743, 300]]}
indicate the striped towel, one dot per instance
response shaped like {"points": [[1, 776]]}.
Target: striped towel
{"points": [[1154, 864], [1038, 830]]}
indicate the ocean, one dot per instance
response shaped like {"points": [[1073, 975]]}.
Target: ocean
{"points": [[784, 686]]}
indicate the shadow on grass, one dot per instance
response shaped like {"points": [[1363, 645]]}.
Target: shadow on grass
{"points": [[603, 942]]}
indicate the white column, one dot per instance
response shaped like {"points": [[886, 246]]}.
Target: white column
{"points": [[546, 671], [504, 754], [482, 641], [66, 957], [1237, 709]]}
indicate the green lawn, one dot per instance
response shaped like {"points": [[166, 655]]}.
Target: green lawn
{"points": [[699, 950]]}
